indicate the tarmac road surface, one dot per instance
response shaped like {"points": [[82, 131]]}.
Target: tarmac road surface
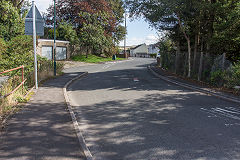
{"points": [[125, 113]]}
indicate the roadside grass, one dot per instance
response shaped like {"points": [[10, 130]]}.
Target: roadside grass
{"points": [[92, 59], [8, 105]]}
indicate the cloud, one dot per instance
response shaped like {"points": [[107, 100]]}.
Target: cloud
{"points": [[43, 5], [149, 39]]}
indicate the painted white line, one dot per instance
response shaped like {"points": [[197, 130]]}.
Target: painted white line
{"points": [[234, 112], [81, 139], [135, 79], [219, 112]]}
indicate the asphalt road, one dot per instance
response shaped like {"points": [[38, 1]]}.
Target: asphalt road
{"points": [[126, 113]]}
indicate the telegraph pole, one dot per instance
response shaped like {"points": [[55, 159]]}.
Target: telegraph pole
{"points": [[34, 44], [125, 40], [54, 46]]}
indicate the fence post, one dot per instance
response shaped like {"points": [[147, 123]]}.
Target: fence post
{"points": [[201, 64], [223, 61]]}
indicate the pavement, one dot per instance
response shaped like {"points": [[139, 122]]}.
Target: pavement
{"points": [[43, 129], [125, 113]]}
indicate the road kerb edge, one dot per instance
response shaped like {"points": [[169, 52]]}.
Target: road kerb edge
{"points": [[193, 87], [81, 139]]}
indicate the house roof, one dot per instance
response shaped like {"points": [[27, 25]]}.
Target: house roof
{"points": [[138, 46], [153, 45]]}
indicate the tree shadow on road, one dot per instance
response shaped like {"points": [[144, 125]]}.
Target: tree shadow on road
{"points": [[165, 122]]}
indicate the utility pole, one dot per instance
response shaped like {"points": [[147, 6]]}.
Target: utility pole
{"points": [[34, 44], [125, 40], [54, 46]]}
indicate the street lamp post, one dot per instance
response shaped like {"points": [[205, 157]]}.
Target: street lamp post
{"points": [[54, 47], [125, 52]]}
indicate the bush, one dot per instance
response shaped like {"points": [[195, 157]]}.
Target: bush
{"points": [[233, 76], [217, 78], [153, 55], [3, 47], [18, 53], [11, 23]]}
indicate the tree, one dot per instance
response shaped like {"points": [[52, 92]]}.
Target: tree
{"points": [[165, 15], [81, 13], [226, 35], [16, 3], [92, 34], [209, 26], [118, 12], [11, 23]]}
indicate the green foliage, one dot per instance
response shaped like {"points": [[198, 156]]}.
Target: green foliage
{"points": [[98, 24], [92, 33], [11, 23], [228, 78], [120, 33], [153, 55], [19, 52], [49, 33], [118, 11], [233, 76], [227, 33], [217, 78], [215, 23], [21, 99], [64, 31], [3, 47]]}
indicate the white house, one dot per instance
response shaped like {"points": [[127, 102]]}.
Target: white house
{"points": [[139, 51], [153, 49]]}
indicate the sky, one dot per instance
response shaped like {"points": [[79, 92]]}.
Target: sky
{"points": [[138, 31]]}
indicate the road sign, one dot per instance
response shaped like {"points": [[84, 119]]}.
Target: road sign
{"points": [[29, 23]]}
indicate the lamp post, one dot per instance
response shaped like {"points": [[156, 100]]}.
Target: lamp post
{"points": [[54, 47], [125, 39]]}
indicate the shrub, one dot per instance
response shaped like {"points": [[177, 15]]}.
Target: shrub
{"points": [[3, 47], [153, 55], [19, 52], [11, 23], [233, 76], [217, 78]]}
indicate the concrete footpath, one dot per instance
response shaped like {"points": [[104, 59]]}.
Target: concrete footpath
{"points": [[43, 130]]}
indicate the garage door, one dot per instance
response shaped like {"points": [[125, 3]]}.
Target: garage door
{"points": [[61, 53], [47, 51]]}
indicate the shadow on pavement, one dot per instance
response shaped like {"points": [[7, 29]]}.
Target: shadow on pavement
{"points": [[43, 129]]}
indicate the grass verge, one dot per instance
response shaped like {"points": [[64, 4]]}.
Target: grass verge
{"points": [[92, 59]]}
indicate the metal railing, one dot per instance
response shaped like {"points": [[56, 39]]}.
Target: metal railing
{"points": [[22, 83]]}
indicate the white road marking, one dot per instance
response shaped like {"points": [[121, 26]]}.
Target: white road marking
{"points": [[135, 79], [228, 112]]}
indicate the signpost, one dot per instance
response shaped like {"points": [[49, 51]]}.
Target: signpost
{"points": [[34, 26]]}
